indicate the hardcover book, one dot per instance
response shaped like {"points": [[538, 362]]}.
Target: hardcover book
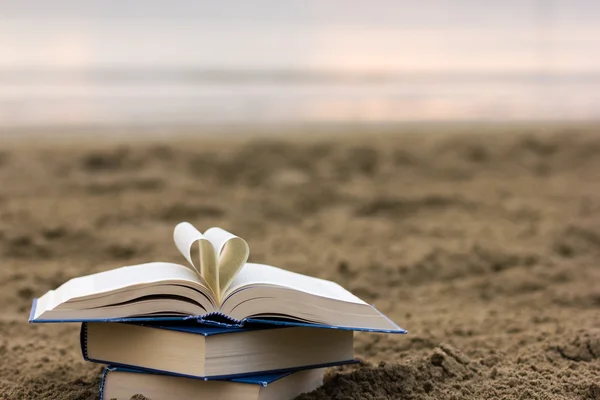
{"points": [[123, 383], [217, 285], [214, 353]]}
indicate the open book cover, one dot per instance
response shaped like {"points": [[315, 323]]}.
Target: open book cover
{"points": [[217, 287], [123, 383]]}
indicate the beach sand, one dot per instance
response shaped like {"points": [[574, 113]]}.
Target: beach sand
{"points": [[485, 247]]}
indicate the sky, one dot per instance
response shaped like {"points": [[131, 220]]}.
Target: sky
{"points": [[557, 36]]}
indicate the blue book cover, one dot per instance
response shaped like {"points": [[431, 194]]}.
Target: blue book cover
{"points": [[221, 320], [204, 331], [262, 380]]}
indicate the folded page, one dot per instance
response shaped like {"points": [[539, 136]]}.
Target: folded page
{"points": [[232, 254]]}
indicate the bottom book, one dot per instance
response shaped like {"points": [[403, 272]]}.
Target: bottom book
{"points": [[123, 383]]}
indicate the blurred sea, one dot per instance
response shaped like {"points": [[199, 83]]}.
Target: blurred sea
{"points": [[188, 97]]}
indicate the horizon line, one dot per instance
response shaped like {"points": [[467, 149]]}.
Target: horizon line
{"points": [[228, 74]]}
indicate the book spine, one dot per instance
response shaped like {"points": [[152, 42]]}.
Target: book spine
{"points": [[103, 381], [83, 341], [209, 319]]}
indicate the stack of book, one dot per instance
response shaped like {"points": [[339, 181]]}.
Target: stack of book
{"points": [[220, 327]]}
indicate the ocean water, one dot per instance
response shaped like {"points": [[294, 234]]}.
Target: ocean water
{"points": [[150, 97]]}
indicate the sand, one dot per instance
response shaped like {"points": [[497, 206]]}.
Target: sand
{"points": [[484, 246]]}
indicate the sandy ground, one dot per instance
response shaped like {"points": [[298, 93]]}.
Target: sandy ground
{"points": [[484, 246]]}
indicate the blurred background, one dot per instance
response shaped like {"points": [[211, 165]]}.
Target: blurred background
{"points": [[458, 192], [73, 64]]}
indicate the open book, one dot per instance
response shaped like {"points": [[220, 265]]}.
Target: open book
{"points": [[217, 281]]}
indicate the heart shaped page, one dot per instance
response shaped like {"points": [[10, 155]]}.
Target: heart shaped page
{"points": [[221, 254]]}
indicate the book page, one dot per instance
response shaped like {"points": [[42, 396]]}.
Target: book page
{"points": [[219, 238], [121, 278], [185, 236], [260, 274], [232, 254]]}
